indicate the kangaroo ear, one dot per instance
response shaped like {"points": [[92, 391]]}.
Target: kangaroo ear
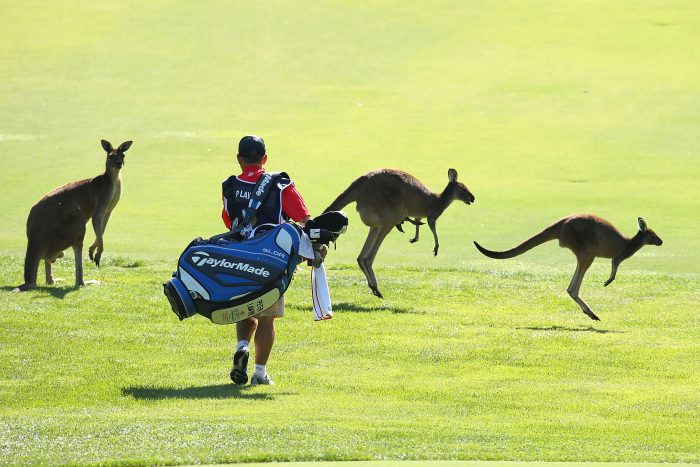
{"points": [[107, 146], [452, 175], [642, 224], [124, 146]]}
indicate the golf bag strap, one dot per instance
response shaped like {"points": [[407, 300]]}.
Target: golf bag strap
{"points": [[259, 195], [261, 190]]}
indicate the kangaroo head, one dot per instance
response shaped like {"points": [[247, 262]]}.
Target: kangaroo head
{"points": [[458, 190], [115, 157], [648, 235]]}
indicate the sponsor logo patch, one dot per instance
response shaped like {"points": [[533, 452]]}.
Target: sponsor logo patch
{"points": [[202, 259]]}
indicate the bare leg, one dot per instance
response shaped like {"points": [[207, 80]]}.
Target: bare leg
{"points": [[615, 263], [264, 339], [246, 328], [582, 265]]}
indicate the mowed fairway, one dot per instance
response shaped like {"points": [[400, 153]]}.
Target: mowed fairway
{"points": [[544, 108]]}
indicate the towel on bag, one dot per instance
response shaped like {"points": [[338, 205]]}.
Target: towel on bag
{"points": [[320, 294]]}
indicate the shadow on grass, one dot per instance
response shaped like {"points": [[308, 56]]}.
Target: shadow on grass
{"points": [[215, 391], [355, 308], [58, 292], [572, 329]]}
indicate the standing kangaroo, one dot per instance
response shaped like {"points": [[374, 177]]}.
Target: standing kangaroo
{"points": [[387, 197], [58, 220], [588, 236]]}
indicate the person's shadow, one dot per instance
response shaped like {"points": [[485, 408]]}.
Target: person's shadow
{"points": [[214, 391], [58, 292]]}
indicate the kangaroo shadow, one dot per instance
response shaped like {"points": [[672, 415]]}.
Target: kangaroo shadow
{"points": [[57, 292], [355, 308], [214, 391], [572, 329]]}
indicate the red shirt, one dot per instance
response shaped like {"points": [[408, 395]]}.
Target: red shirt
{"points": [[293, 204]]}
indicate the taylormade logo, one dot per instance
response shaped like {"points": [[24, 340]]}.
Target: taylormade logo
{"points": [[261, 188], [201, 258]]}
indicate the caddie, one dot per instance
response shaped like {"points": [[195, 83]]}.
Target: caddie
{"points": [[282, 203]]}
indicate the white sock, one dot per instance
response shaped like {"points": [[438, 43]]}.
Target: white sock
{"points": [[260, 371], [241, 344]]}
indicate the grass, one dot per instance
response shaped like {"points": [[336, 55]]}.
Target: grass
{"points": [[544, 108], [452, 464], [107, 373]]}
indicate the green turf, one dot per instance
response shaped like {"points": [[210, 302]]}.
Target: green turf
{"points": [[544, 108], [455, 464]]}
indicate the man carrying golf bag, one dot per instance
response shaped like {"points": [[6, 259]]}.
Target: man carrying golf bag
{"points": [[240, 276], [282, 202]]}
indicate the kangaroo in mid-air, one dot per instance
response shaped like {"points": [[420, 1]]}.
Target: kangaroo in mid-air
{"points": [[588, 236], [387, 197], [58, 220]]}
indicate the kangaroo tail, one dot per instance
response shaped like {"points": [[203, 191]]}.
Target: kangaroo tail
{"points": [[550, 233], [31, 263], [348, 196]]}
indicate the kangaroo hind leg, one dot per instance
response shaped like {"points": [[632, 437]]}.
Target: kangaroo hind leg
{"points": [[367, 254], [47, 269], [78, 252], [582, 265], [79, 282]]}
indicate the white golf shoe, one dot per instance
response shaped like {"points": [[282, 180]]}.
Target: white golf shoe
{"points": [[255, 380]]}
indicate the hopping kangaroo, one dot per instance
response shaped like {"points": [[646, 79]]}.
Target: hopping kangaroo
{"points": [[588, 237], [58, 220], [387, 197]]}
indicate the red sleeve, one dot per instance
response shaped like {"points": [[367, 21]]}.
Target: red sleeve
{"points": [[224, 214], [293, 204]]}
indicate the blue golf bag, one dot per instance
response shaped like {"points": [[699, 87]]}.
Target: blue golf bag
{"points": [[228, 280]]}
